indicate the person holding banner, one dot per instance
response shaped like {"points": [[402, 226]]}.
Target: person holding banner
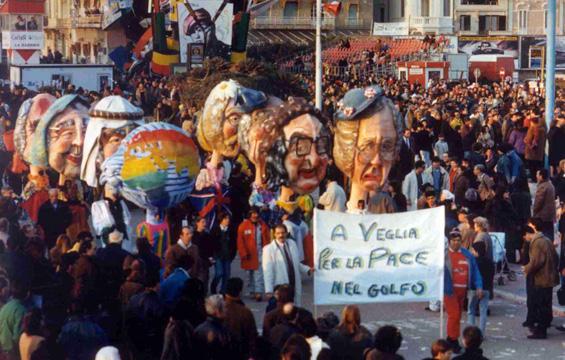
{"points": [[461, 273], [281, 265]]}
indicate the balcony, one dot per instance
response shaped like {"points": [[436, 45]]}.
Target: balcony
{"points": [[90, 21], [479, 2], [352, 23], [436, 25], [290, 23], [59, 23]]}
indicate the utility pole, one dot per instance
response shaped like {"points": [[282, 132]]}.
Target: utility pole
{"points": [[319, 54], [550, 63]]}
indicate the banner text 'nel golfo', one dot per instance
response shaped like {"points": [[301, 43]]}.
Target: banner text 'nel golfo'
{"points": [[378, 258]]}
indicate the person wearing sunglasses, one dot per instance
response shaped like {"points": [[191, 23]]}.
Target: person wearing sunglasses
{"points": [[366, 142]]}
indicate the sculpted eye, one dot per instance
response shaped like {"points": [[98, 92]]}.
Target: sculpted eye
{"points": [[387, 146]]}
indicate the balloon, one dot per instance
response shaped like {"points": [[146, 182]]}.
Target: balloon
{"points": [[154, 167]]}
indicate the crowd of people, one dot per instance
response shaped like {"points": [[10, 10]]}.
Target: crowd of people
{"points": [[475, 149]]}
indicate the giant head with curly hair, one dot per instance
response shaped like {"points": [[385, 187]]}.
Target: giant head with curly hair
{"points": [[226, 104], [257, 135], [368, 129], [299, 156]]}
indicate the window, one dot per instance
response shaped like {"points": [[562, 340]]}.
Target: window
{"points": [[353, 12], [290, 9], [401, 8], [492, 23], [523, 20], [479, 2], [425, 10], [465, 23], [446, 7], [545, 19], [313, 11]]}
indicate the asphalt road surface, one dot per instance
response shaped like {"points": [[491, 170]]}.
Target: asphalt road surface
{"points": [[505, 336]]}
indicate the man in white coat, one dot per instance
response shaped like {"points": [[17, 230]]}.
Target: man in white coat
{"points": [[412, 183], [281, 265]]}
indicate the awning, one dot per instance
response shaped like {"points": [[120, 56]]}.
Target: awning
{"points": [[295, 37]]}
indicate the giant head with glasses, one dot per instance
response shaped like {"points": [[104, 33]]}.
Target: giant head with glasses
{"points": [[59, 136], [299, 157], [368, 129], [223, 110]]}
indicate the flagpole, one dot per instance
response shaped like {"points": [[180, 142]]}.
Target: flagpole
{"points": [[319, 54]]}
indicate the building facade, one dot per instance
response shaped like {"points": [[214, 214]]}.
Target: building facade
{"points": [[530, 17], [77, 30], [413, 17], [483, 17], [301, 15]]}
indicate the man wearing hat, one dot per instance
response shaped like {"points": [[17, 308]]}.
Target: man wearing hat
{"points": [[367, 141], [111, 119]]}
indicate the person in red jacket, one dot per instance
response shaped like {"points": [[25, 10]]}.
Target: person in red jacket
{"points": [[252, 236]]}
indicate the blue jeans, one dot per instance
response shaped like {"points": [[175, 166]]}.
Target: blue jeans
{"points": [[483, 307], [222, 270]]}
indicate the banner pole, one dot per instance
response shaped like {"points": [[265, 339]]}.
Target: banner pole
{"points": [[441, 319]]}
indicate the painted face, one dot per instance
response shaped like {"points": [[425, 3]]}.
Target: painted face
{"points": [[111, 140], [66, 137], [260, 139], [38, 107], [232, 116], [112, 145], [375, 151], [308, 153], [201, 34]]}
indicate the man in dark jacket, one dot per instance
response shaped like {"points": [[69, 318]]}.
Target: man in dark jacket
{"points": [[145, 322], [205, 244], [541, 276], [239, 320], [224, 252], [472, 340], [283, 296], [184, 246], [211, 338], [110, 259], [544, 203], [54, 217]]}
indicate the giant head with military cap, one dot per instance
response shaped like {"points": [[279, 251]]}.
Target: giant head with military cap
{"points": [[368, 129]]}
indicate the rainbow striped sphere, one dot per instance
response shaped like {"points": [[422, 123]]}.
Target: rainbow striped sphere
{"points": [[155, 166]]}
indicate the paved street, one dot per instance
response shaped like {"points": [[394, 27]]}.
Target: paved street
{"points": [[505, 338]]}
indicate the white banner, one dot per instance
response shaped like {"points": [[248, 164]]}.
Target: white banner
{"points": [[205, 27], [378, 258], [22, 40], [390, 29]]}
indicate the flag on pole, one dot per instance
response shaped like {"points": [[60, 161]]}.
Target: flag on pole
{"points": [[332, 7]]}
